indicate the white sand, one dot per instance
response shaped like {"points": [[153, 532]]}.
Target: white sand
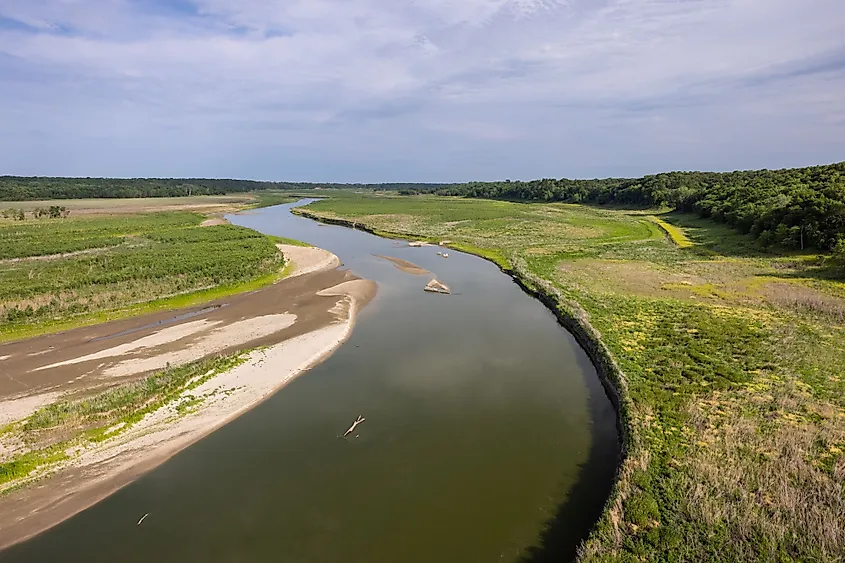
{"points": [[308, 259], [214, 221]]}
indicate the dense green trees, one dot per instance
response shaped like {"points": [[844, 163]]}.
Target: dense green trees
{"points": [[796, 208], [16, 188]]}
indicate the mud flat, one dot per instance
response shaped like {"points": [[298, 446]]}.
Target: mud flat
{"points": [[289, 326]]}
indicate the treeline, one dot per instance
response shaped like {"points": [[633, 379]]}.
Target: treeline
{"points": [[795, 208], [18, 188]]}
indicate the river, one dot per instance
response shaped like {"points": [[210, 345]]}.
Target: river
{"points": [[488, 437]]}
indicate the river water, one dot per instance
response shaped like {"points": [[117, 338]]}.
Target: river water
{"points": [[488, 437]]}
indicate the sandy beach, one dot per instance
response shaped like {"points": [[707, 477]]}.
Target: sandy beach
{"points": [[289, 327]]}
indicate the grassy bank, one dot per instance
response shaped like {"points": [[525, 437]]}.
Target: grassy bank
{"points": [[60, 273], [733, 363]]}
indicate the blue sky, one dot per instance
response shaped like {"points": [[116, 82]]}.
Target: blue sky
{"points": [[418, 90]]}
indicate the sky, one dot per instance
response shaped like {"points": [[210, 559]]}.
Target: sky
{"points": [[418, 90]]}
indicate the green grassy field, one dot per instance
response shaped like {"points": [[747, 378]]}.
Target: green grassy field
{"points": [[733, 359], [58, 273]]}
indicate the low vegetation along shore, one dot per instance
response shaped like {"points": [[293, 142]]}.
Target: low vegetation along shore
{"points": [[730, 359], [85, 411]]}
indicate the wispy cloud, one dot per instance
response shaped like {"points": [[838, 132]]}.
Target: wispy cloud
{"points": [[374, 90]]}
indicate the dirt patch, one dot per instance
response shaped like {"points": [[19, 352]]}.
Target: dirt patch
{"points": [[20, 408], [48, 257], [214, 221], [103, 206], [405, 266]]}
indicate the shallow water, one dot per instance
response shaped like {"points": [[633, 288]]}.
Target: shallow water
{"points": [[486, 425]]}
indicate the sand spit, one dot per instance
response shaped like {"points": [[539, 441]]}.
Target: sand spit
{"points": [[308, 259], [405, 266], [292, 325]]}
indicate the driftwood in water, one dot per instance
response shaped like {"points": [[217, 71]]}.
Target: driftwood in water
{"points": [[359, 420], [437, 287]]}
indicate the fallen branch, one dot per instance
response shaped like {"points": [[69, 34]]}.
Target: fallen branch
{"points": [[359, 420]]}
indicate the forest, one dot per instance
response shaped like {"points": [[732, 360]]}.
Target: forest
{"points": [[794, 208], [18, 188]]}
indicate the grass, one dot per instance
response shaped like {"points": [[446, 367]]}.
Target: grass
{"points": [[675, 234], [267, 199], [54, 430], [290, 241], [733, 362], [62, 273]]}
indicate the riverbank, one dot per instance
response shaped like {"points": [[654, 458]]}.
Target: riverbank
{"points": [[730, 358], [59, 391]]}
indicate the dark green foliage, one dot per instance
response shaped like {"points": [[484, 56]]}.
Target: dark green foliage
{"points": [[17, 188], [641, 509]]}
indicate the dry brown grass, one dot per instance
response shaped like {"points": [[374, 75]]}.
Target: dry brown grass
{"points": [[772, 473], [103, 206], [806, 300]]}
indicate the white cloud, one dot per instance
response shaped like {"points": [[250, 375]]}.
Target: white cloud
{"points": [[632, 83]]}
